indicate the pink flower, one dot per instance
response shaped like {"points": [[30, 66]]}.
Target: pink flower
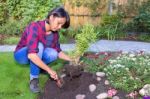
{"points": [[132, 94], [112, 92]]}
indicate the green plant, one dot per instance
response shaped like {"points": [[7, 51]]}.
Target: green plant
{"points": [[129, 72], [144, 37], [24, 11], [93, 65], [11, 40], [3, 12], [111, 27], [141, 22], [96, 64], [83, 40], [63, 38], [12, 28], [34, 9]]}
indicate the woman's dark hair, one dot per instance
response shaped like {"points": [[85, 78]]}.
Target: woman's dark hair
{"points": [[60, 12]]}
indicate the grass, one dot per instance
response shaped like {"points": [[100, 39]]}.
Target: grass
{"points": [[14, 78]]}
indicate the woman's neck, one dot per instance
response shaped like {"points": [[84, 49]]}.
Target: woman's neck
{"points": [[47, 27]]}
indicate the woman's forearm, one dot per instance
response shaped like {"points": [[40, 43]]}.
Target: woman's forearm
{"points": [[36, 60], [63, 56]]}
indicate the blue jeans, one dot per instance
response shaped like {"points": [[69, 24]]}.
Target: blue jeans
{"points": [[47, 55]]}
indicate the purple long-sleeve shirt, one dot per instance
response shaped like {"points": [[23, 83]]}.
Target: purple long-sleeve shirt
{"points": [[34, 33]]}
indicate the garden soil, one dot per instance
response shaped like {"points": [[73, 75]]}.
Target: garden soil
{"points": [[79, 84], [75, 86]]}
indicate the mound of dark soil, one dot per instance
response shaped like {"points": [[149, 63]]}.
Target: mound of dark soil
{"points": [[75, 86], [72, 87]]}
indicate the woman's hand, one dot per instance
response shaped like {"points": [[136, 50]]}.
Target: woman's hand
{"points": [[53, 74]]}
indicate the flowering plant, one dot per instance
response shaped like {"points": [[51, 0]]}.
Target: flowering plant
{"points": [[129, 71]]}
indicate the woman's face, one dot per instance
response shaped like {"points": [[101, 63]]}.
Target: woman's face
{"points": [[56, 23]]}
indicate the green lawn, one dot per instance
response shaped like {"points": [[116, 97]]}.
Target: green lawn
{"points": [[14, 78]]}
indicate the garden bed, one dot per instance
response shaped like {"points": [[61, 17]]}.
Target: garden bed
{"points": [[79, 87]]}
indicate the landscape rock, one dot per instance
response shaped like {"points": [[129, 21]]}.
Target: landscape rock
{"points": [[98, 79], [92, 87], [80, 96], [145, 91], [100, 74], [116, 97], [106, 82], [102, 96]]}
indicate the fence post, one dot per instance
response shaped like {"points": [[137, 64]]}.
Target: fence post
{"points": [[110, 7]]}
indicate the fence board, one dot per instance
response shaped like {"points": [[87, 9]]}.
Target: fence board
{"points": [[81, 15]]}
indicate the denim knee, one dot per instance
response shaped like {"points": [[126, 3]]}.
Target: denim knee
{"points": [[49, 55]]}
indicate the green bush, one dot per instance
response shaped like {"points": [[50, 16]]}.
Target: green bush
{"points": [[11, 40], [30, 9], [22, 12], [144, 37], [12, 27], [141, 22], [62, 37], [111, 27], [3, 14]]}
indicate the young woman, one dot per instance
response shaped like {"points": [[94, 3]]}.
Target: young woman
{"points": [[39, 45]]}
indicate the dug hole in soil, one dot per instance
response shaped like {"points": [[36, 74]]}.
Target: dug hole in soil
{"points": [[76, 82]]}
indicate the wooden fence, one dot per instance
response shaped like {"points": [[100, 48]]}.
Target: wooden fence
{"points": [[82, 15]]}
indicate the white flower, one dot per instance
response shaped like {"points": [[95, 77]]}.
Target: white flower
{"points": [[131, 55], [137, 78], [124, 77], [118, 57], [127, 69], [112, 61], [125, 52], [145, 71], [134, 59], [131, 78], [105, 69], [148, 63], [147, 57]]}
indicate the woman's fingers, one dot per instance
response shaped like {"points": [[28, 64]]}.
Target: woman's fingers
{"points": [[53, 75]]}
